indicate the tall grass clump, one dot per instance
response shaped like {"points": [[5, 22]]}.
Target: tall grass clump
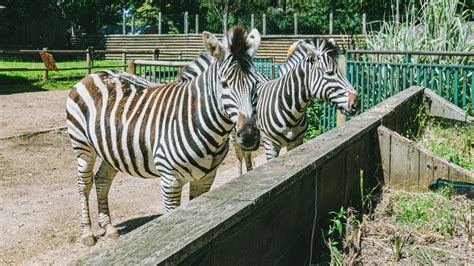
{"points": [[438, 25]]}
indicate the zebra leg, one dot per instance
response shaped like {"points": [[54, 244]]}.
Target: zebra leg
{"points": [[272, 150], [248, 160], [294, 144], [197, 188], [239, 153], [103, 180], [85, 167], [171, 189]]}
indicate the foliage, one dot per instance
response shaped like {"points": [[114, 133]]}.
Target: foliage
{"points": [[451, 141], [439, 25], [313, 112]]}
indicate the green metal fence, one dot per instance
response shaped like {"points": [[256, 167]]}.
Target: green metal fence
{"points": [[377, 75]]}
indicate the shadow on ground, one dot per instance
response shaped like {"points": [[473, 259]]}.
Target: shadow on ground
{"points": [[132, 224]]}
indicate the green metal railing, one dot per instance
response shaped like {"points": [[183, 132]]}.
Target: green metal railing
{"points": [[377, 75]]}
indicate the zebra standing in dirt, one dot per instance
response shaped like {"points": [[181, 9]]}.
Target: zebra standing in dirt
{"points": [[177, 131]]}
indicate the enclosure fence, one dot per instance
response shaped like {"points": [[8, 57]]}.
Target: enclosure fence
{"points": [[375, 75]]}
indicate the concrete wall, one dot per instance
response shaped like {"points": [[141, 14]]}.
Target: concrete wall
{"points": [[266, 216]]}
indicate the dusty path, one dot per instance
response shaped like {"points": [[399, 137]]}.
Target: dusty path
{"points": [[39, 204]]}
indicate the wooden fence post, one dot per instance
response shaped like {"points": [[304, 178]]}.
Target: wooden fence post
{"points": [[89, 59], [124, 60], [340, 117], [45, 73], [131, 67], [159, 23], [156, 54]]}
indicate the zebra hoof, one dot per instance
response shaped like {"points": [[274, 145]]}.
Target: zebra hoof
{"points": [[88, 240], [111, 232]]}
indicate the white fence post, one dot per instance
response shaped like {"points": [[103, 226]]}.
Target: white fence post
{"points": [[331, 18], [264, 24], [295, 23], [252, 21], [224, 23], [133, 23], [197, 24], [186, 22], [159, 22], [364, 24], [124, 23]]}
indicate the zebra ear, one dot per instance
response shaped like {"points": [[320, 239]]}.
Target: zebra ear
{"points": [[212, 44], [253, 40], [310, 50]]}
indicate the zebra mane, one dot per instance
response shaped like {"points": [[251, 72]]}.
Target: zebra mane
{"points": [[236, 38], [326, 46], [293, 59], [196, 67]]}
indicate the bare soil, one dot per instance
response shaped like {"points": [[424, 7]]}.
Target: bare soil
{"points": [[39, 203]]}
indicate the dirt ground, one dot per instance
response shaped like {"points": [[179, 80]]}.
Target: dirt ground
{"points": [[39, 203]]}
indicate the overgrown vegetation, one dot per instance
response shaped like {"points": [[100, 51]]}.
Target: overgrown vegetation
{"points": [[409, 228], [451, 140]]}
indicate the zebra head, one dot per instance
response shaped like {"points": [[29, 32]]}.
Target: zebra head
{"points": [[327, 82], [237, 78]]}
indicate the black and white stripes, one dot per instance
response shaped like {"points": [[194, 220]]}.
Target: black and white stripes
{"points": [[178, 131]]}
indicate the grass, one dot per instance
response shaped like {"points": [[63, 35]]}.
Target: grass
{"points": [[39, 64], [27, 81], [453, 141]]}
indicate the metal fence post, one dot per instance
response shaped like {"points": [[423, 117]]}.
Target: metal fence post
{"points": [[197, 24], [264, 24], [295, 23], [124, 23], [124, 60], [131, 67], [364, 24], [186, 22], [159, 22], [45, 73], [331, 18], [252, 21]]}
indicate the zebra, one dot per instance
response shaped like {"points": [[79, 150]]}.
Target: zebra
{"points": [[177, 132], [309, 72]]}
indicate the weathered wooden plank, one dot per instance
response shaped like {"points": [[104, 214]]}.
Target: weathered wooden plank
{"points": [[443, 108], [441, 168], [385, 139], [398, 161], [413, 167], [426, 170]]}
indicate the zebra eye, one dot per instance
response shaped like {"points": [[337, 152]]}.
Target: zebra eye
{"points": [[224, 84], [330, 73]]}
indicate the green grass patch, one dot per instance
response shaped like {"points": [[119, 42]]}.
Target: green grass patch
{"points": [[450, 140], [39, 64], [427, 212]]}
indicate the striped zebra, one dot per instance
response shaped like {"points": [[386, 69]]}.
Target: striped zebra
{"points": [[178, 131], [310, 72]]}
